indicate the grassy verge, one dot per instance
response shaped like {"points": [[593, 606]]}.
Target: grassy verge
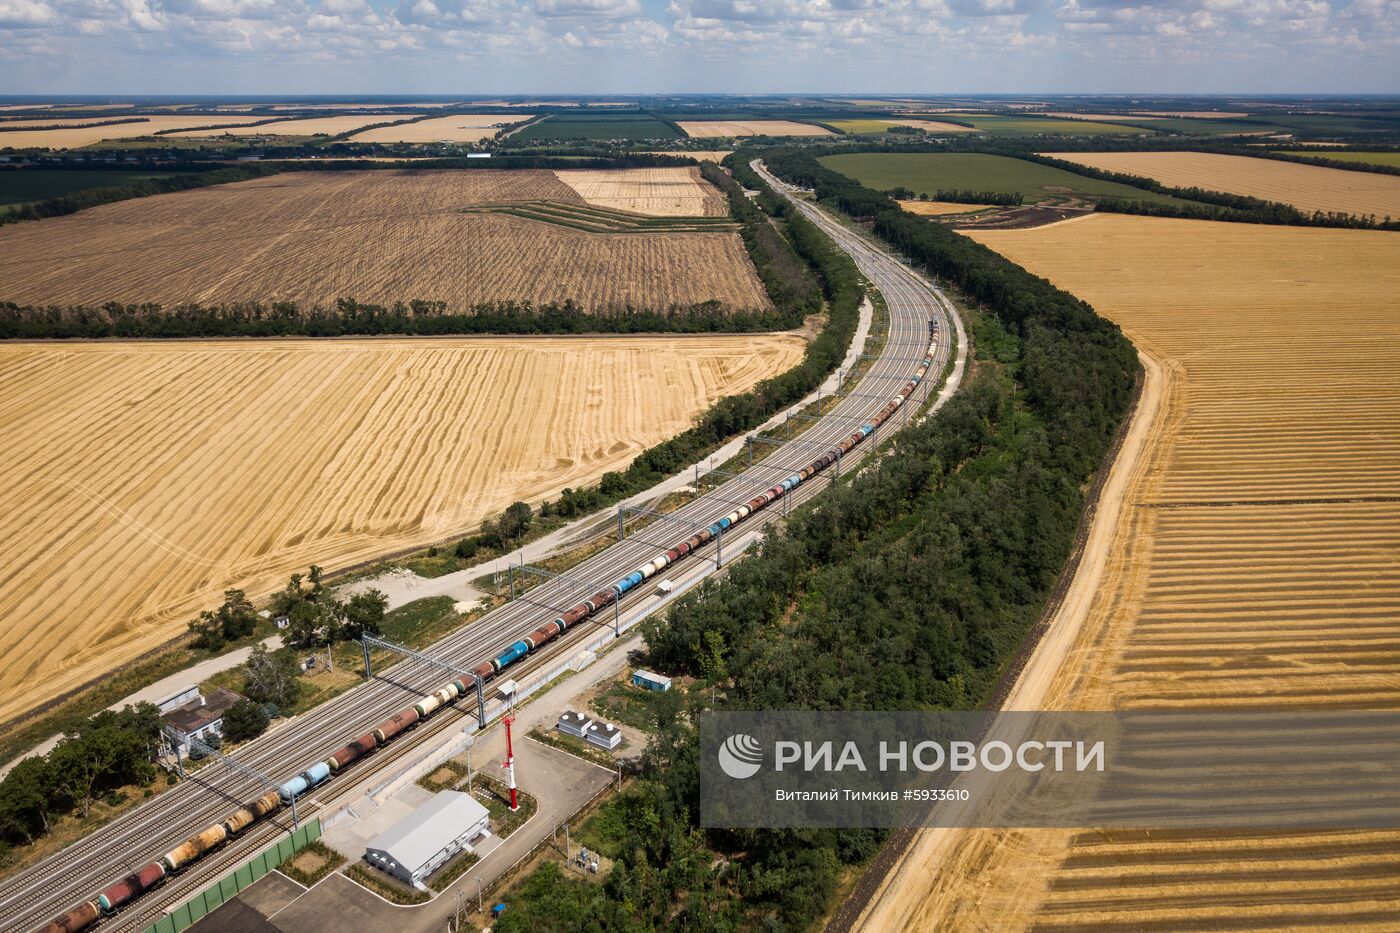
{"points": [[416, 625], [311, 864], [391, 889], [453, 870], [495, 796], [577, 747]]}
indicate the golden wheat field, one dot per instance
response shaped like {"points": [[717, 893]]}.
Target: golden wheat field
{"points": [[1307, 187], [459, 128], [939, 208], [1255, 565], [714, 129], [141, 479], [701, 155], [659, 192], [311, 126], [78, 136], [376, 236], [1102, 117]]}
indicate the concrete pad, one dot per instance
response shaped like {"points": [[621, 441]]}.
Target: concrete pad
{"points": [[271, 893], [234, 917]]}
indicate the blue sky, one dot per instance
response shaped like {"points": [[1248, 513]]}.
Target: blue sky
{"points": [[697, 46]]}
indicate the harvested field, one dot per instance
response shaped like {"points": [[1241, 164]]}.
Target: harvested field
{"points": [[657, 192], [1195, 114], [376, 236], [714, 129], [1306, 187], [313, 126], [881, 126], [940, 208], [1251, 561], [1107, 117], [55, 120], [700, 155], [417, 104], [141, 479], [459, 128], [1001, 124], [87, 135]]}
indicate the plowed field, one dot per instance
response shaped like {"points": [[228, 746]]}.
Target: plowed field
{"points": [[1255, 564], [376, 236], [141, 479]]}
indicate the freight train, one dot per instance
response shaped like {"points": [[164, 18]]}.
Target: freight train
{"points": [[113, 898]]}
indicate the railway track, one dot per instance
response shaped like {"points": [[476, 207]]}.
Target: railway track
{"points": [[49, 887]]}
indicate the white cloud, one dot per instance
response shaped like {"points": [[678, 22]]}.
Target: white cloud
{"points": [[25, 14]]}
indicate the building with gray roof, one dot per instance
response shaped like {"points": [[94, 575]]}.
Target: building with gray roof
{"points": [[426, 839]]}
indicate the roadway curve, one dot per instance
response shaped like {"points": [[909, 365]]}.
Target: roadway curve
{"points": [[33, 896]]}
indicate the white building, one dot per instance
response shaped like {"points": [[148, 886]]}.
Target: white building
{"points": [[574, 723], [604, 734], [426, 839]]}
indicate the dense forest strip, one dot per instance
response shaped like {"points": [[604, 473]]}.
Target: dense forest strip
{"points": [[910, 586], [350, 318]]}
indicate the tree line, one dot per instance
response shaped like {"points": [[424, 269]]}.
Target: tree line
{"points": [[961, 196], [908, 587], [349, 317], [92, 762]]}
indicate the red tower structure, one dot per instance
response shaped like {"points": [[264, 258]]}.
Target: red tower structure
{"points": [[510, 762]]}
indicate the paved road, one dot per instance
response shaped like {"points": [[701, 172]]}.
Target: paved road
{"points": [[76, 873]]}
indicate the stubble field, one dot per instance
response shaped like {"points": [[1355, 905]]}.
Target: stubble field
{"points": [[141, 479], [375, 236], [311, 126], [1254, 564], [78, 136], [715, 129], [1307, 187], [459, 128], [656, 192]]}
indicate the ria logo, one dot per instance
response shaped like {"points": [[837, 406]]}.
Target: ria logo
{"points": [[740, 756]]}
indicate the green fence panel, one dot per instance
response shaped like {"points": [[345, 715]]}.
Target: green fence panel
{"points": [[200, 905]]}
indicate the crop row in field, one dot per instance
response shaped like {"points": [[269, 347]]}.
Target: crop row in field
{"points": [[141, 479], [376, 236], [659, 192]]}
